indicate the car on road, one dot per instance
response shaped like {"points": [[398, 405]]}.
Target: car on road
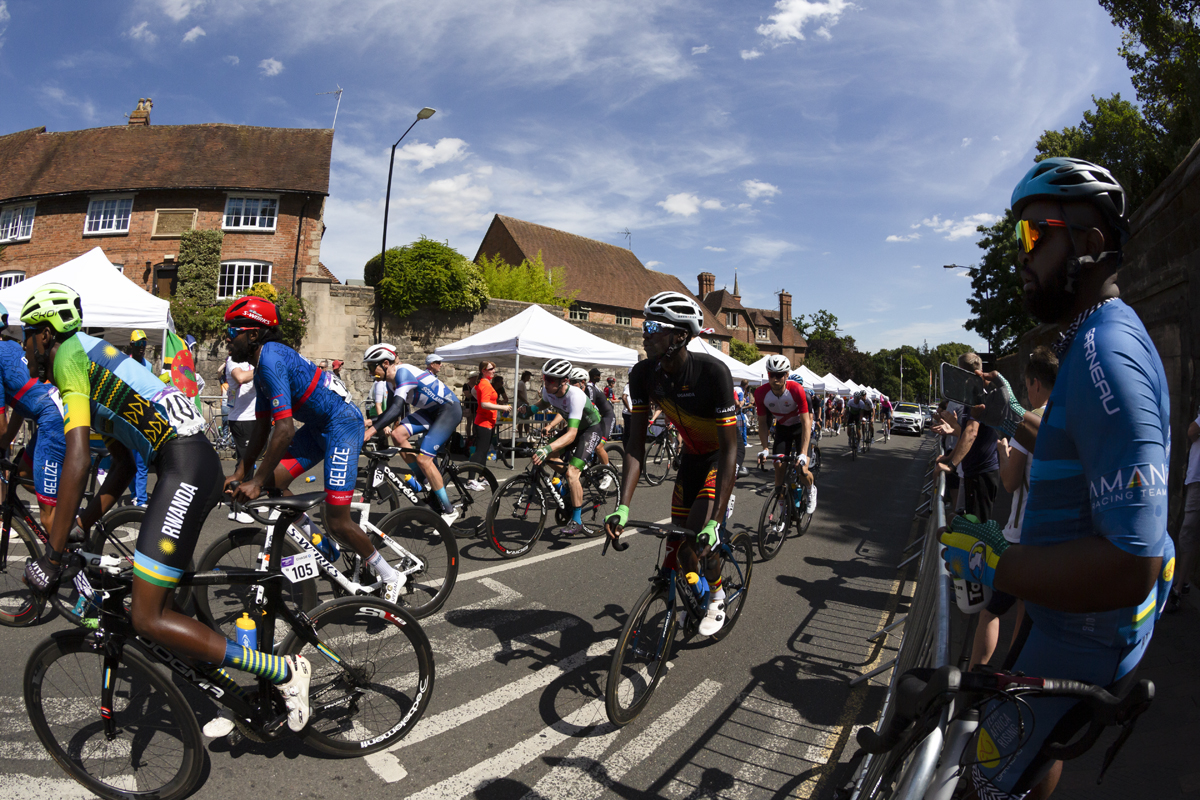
{"points": [[908, 418], [927, 411]]}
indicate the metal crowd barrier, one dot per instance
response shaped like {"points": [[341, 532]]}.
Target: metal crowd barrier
{"points": [[925, 643]]}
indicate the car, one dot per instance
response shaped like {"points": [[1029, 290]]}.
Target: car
{"points": [[927, 411], [908, 418]]}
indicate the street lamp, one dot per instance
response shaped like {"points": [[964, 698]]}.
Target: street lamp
{"points": [[987, 300]]}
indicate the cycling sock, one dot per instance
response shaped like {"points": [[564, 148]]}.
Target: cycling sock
{"points": [[715, 587], [577, 516], [273, 668], [440, 494], [382, 568], [223, 679]]}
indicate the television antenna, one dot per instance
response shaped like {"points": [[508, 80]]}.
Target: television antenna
{"points": [[628, 234], [339, 102]]}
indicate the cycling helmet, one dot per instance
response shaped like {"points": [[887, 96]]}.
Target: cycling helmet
{"points": [[252, 312], [54, 303], [579, 375], [1074, 179], [379, 352], [778, 363], [557, 368], [676, 309]]}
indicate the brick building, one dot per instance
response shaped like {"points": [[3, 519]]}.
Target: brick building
{"points": [[133, 189], [769, 329], [612, 284]]}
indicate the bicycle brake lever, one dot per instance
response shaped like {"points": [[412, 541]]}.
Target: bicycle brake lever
{"points": [[1111, 753]]}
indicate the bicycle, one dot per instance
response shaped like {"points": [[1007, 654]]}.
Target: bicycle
{"points": [[852, 439], [516, 515], [648, 635], [786, 504], [217, 432], [924, 696], [415, 542], [114, 722], [662, 455]]}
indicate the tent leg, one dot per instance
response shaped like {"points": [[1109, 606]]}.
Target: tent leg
{"points": [[516, 377]]}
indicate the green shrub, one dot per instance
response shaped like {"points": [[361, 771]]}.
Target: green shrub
{"points": [[293, 318], [204, 320], [265, 291], [429, 273], [744, 352], [200, 265], [530, 281]]}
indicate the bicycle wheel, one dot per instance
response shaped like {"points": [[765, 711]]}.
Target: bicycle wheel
{"points": [[802, 517], [640, 657], [736, 567], [157, 752], [657, 463], [616, 456], [418, 543], [516, 517], [774, 522], [601, 496], [378, 686], [470, 503], [17, 606], [220, 607], [814, 461]]}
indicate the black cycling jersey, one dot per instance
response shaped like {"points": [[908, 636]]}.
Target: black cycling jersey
{"points": [[699, 402], [602, 403]]}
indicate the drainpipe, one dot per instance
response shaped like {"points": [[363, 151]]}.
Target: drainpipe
{"points": [[299, 238]]}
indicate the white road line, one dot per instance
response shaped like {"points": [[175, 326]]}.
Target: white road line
{"points": [[580, 776], [27, 787], [504, 597]]}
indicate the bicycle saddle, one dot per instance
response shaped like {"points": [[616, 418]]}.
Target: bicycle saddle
{"points": [[299, 502], [384, 454]]}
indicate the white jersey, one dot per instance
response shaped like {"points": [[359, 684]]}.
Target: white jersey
{"points": [[419, 388], [572, 406]]}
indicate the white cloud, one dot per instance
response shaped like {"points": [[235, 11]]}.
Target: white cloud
{"points": [[683, 204], [232, 60], [916, 266], [5, 17], [428, 156], [701, 50], [142, 33], [55, 97], [750, 55], [958, 229], [966, 142], [653, 264], [194, 34], [908, 237], [765, 248], [756, 189], [995, 138], [714, 249], [178, 9], [791, 16], [270, 67]]}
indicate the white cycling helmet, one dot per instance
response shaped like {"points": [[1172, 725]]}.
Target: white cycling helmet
{"points": [[676, 309], [579, 374], [778, 363], [557, 368], [379, 352]]}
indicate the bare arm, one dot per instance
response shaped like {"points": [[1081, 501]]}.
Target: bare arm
{"points": [[1079, 576], [242, 376], [1012, 467]]}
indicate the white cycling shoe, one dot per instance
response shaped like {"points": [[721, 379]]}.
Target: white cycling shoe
{"points": [[295, 692], [812, 500], [714, 618], [219, 727], [391, 590], [452, 517]]}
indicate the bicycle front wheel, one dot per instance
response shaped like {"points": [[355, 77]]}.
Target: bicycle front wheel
{"points": [[774, 522], [17, 606], [641, 656], [372, 677], [515, 517], [157, 751], [471, 504], [737, 565], [601, 496], [417, 543], [657, 464]]}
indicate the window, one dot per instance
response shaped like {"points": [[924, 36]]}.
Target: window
{"points": [[731, 319], [7, 279], [16, 222], [108, 215], [763, 333], [624, 319], [238, 276], [250, 213], [579, 313]]}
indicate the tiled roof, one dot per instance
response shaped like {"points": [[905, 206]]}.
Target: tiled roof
{"points": [[784, 334], [124, 158], [325, 273], [721, 299], [603, 274]]}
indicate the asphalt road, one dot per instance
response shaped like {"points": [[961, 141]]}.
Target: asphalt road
{"points": [[522, 651]]}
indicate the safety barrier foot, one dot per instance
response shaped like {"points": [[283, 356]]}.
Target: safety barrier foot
{"points": [[880, 669], [906, 561], [879, 634]]}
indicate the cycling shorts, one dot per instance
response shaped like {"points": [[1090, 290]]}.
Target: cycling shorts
{"points": [[1009, 766], [584, 447], [697, 480], [436, 422], [190, 481], [338, 445], [785, 437], [606, 426], [46, 463]]}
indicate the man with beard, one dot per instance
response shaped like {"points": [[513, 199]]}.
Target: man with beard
{"points": [[1094, 542]]}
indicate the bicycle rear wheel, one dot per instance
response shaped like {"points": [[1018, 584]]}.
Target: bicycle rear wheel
{"points": [[516, 517], [774, 522], [616, 456], [470, 504], [640, 658], [17, 605], [420, 545], [377, 685], [657, 464], [157, 752], [601, 496], [736, 568]]}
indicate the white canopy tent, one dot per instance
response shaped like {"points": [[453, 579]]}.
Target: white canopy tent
{"points": [[739, 371], [811, 379], [835, 386]]}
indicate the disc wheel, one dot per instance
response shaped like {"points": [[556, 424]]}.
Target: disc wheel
{"points": [[641, 655], [516, 517]]}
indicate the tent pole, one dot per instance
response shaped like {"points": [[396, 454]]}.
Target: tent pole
{"points": [[516, 377]]}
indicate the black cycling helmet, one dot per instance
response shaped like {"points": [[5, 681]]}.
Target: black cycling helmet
{"points": [[1075, 179]]}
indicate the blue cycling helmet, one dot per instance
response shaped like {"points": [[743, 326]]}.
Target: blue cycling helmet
{"points": [[1074, 179]]}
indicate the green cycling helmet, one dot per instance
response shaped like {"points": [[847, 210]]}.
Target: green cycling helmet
{"points": [[56, 304], [1074, 179]]}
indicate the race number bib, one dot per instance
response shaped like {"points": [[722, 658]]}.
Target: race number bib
{"points": [[299, 568], [337, 387], [180, 411]]}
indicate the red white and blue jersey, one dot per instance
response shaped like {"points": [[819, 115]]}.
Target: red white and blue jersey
{"points": [[786, 408], [420, 389], [289, 385], [30, 397]]}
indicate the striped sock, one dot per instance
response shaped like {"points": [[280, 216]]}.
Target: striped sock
{"points": [[715, 586], [222, 679], [273, 668]]}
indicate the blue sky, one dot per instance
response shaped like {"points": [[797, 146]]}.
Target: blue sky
{"points": [[841, 150]]}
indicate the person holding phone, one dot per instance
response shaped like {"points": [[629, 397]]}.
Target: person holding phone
{"points": [[974, 456]]}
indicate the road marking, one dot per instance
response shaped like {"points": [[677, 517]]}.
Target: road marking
{"points": [[27, 787]]}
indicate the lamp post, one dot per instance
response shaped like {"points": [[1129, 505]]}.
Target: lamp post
{"points": [[987, 298], [424, 113]]}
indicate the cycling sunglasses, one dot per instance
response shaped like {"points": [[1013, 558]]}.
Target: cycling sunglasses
{"points": [[777, 374], [233, 333], [1029, 232], [653, 326]]}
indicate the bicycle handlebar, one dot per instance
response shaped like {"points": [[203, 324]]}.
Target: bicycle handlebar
{"points": [[659, 529]]}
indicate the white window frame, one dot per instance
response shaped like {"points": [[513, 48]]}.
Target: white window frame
{"points": [[257, 226], [579, 313], [731, 319], [10, 277], [99, 219], [763, 334], [624, 319], [243, 269], [6, 220]]}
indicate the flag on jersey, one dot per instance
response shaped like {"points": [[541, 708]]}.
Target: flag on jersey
{"points": [[178, 359]]}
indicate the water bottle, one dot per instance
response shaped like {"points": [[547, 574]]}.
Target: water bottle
{"points": [[559, 484], [327, 546], [699, 586], [797, 495], [971, 597], [247, 632], [413, 483], [310, 479]]}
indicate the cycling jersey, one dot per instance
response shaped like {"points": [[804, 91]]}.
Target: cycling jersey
{"points": [[699, 402], [886, 408], [574, 406], [856, 409], [105, 389], [598, 399], [786, 408], [39, 402], [420, 389]]}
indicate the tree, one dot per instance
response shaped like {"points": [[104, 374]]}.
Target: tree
{"points": [[529, 281], [429, 273], [820, 325], [744, 352], [997, 300]]}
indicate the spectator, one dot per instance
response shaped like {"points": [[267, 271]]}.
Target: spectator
{"points": [[1189, 531], [487, 408], [975, 452], [377, 403], [626, 414], [433, 363], [337, 368], [523, 399], [610, 390], [740, 394], [239, 377], [469, 403]]}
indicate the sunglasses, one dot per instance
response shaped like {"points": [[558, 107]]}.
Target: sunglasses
{"points": [[1030, 232], [777, 375], [652, 327], [233, 333], [551, 379]]}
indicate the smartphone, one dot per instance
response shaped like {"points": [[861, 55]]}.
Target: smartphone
{"points": [[961, 385]]}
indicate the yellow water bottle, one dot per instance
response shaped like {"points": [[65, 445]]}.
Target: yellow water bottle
{"points": [[247, 632]]}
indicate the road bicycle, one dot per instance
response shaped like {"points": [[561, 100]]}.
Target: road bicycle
{"points": [[415, 541], [852, 439], [662, 456], [516, 515], [648, 636], [924, 696], [216, 431], [785, 506], [109, 716]]}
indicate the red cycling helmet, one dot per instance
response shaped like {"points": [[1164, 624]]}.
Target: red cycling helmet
{"points": [[252, 312]]}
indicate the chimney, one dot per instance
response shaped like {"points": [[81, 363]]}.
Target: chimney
{"points": [[785, 308], [708, 281], [140, 116]]}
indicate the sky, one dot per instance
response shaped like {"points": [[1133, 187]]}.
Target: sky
{"points": [[843, 151]]}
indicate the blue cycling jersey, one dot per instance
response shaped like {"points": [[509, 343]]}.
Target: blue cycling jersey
{"points": [[30, 397], [420, 389], [289, 385], [1100, 468]]}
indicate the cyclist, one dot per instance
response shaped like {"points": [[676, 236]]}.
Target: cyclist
{"points": [[839, 410], [786, 402], [103, 389], [32, 399], [1094, 558], [854, 411], [869, 416], [694, 391], [608, 417], [433, 410], [885, 411], [581, 436]]}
